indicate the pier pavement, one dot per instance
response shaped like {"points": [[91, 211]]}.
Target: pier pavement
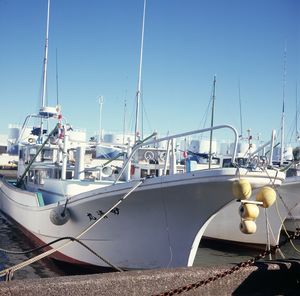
{"points": [[264, 278]]}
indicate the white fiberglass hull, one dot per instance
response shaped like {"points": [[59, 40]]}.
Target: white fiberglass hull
{"points": [[159, 225], [225, 225], [291, 187]]}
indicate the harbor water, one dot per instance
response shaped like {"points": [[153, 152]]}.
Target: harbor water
{"points": [[209, 254]]}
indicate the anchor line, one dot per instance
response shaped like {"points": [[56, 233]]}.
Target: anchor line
{"points": [[227, 272]]}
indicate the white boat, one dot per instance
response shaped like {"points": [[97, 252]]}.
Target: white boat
{"points": [[291, 187], [270, 221], [159, 226], [7, 160]]}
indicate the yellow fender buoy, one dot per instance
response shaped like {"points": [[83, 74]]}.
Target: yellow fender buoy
{"points": [[241, 189], [248, 226], [249, 211], [267, 196]]}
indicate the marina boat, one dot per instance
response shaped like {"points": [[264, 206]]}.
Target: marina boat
{"points": [[160, 225], [111, 145], [7, 160], [291, 187], [269, 222]]}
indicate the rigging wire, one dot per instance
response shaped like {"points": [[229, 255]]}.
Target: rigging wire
{"points": [[205, 115]]}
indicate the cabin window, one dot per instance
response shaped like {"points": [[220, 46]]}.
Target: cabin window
{"points": [[154, 173], [242, 161], [215, 161], [31, 176], [227, 163], [47, 154], [55, 174], [21, 154], [69, 175], [32, 151], [144, 173], [291, 172]]}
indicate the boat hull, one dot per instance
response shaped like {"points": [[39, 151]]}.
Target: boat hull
{"points": [[222, 228], [159, 225], [291, 188]]}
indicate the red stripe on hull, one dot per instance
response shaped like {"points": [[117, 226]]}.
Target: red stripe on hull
{"points": [[56, 255]]}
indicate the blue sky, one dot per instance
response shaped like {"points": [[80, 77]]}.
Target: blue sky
{"points": [[186, 43]]}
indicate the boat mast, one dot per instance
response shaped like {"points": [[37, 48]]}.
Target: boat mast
{"points": [[297, 133], [44, 86], [56, 63], [212, 121], [138, 93], [101, 100], [240, 103], [282, 114], [43, 99], [124, 121]]}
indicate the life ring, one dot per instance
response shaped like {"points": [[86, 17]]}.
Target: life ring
{"points": [[149, 155], [30, 140]]}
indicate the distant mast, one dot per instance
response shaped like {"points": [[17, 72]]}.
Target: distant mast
{"points": [[297, 133], [138, 93], [43, 99], [101, 100], [124, 121], [282, 114], [241, 117], [212, 121]]}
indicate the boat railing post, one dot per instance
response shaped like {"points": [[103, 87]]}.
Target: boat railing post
{"points": [[79, 163], [272, 147], [167, 158], [128, 168], [65, 158], [172, 158]]}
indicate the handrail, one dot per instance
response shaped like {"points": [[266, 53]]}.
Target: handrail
{"points": [[20, 180], [28, 117], [136, 147], [24, 124]]}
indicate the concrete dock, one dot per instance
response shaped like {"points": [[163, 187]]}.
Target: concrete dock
{"points": [[265, 278]]}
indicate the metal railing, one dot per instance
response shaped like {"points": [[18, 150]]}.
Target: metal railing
{"points": [[172, 137]]}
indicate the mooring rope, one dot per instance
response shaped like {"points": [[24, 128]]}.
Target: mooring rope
{"points": [[281, 219], [57, 240]]}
